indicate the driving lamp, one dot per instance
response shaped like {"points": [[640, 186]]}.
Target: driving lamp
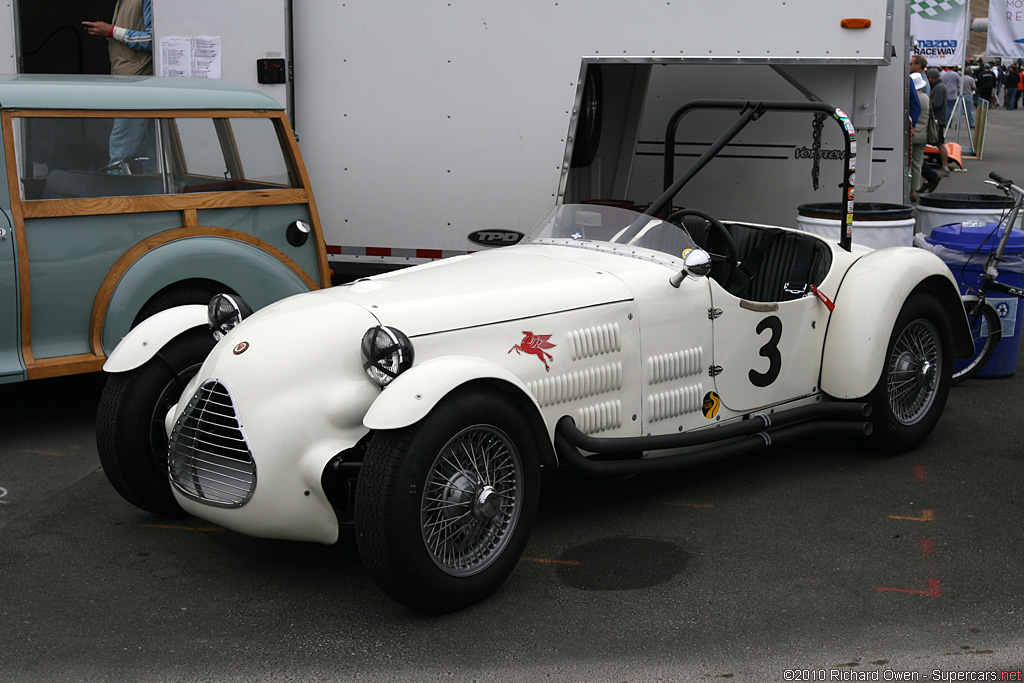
{"points": [[225, 312], [387, 353]]}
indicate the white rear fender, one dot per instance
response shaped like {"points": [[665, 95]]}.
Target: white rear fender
{"points": [[415, 392], [152, 334], [866, 307]]}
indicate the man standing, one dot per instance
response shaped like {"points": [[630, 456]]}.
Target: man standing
{"points": [[130, 41], [919, 65], [970, 87], [951, 79], [938, 106], [986, 84], [129, 37], [998, 73]]}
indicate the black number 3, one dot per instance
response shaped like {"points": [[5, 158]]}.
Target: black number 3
{"points": [[770, 351]]}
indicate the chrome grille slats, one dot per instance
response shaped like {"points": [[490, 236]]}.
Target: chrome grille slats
{"points": [[209, 458]]}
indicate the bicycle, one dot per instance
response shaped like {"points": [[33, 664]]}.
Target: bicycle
{"points": [[986, 326]]}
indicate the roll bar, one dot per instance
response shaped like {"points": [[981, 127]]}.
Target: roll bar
{"points": [[751, 111]]}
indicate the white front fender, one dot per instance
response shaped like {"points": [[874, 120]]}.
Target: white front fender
{"points": [[152, 334], [415, 392]]}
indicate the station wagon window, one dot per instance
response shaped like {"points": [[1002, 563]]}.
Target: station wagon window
{"points": [[64, 157]]}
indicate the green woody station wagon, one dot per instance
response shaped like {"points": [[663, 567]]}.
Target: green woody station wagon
{"points": [[127, 196]]}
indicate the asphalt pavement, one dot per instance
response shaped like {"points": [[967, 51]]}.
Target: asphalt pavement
{"points": [[817, 562]]}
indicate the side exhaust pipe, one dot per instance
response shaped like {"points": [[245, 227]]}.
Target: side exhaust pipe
{"points": [[751, 435]]}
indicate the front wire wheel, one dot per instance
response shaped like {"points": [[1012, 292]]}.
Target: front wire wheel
{"points": [[443, 508], [986, 329], [472, 499], [912, 391]]}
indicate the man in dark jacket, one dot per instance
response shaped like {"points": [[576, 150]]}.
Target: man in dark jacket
{"points": [[938, 105], [986, 84]]}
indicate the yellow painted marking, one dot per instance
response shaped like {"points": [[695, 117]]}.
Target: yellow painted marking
{"points": [[926, 516]]}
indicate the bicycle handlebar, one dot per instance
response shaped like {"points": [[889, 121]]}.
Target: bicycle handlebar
{"points": [[1000, 179]]}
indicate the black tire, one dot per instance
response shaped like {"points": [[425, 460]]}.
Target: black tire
{"points": [[130, 434], [912, 391], [180, 295], [986, 328], [422, 478]]}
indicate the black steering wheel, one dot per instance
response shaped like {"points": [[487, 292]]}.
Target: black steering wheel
{"points": [[718, 239]]}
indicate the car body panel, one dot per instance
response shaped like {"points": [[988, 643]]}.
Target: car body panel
{"points": [[220, 163], [314, 412], [12, 369], [138, 93], [264, 277], [506, 284], [867, 303], [145, 340]]}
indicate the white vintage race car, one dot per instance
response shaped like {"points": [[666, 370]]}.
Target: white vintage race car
{"points": [[419, 406]]}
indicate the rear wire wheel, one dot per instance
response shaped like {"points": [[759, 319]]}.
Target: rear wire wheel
{"points": [[916, 374], [986, 329]]}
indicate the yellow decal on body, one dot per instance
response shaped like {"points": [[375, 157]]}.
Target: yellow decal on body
{"points": [[711, 405]]}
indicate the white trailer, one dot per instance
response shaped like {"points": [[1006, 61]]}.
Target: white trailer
{"points": [[424, 123]]}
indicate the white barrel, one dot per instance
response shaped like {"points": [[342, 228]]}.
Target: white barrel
{"points": [[874, 225]]}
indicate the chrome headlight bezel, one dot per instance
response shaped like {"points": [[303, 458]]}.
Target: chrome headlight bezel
{"points": [[225, 312], [387, 352]]}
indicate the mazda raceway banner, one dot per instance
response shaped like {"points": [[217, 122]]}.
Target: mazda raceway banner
{"points": [[939, 28], [1005, 29]]}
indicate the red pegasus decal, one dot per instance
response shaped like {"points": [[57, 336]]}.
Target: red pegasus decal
{"points": [[534, 344]]}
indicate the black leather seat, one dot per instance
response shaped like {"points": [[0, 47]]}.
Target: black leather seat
{"points": [[776, 260]]}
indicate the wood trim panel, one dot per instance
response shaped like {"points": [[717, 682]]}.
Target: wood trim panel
{"points": [[99, 206], [18, 218], [314, 215], [127, 259], [66, 365]]}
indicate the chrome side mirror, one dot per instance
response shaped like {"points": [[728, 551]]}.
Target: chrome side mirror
{"points": [[696, 265]]}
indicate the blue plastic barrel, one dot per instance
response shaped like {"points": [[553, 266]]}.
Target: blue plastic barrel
{"points": [[974, 241]]}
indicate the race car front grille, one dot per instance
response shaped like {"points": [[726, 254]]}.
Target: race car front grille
{"points": [[208, 457]]}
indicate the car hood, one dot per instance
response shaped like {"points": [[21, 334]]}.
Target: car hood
{"points": [[483, 288]]}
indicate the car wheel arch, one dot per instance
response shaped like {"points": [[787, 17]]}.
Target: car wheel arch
{"points": [[412, 396], [854, 350], [255, 274]]}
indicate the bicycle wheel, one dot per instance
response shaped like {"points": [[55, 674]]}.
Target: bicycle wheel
{"points": [[986, 329]]}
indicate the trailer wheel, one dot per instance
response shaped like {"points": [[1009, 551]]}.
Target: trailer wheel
{"points": [[915, 381], [443, 508]]}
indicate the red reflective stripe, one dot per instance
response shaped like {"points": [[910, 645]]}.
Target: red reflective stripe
{"points": [[378, 251], [429, 253]]}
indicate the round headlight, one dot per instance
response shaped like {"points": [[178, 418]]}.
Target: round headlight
{"points": [[224, 312], [387, 353]]}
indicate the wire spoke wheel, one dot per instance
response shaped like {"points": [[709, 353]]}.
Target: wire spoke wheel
{"points": [[443, 507], [913, 376], [471, 501]]}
